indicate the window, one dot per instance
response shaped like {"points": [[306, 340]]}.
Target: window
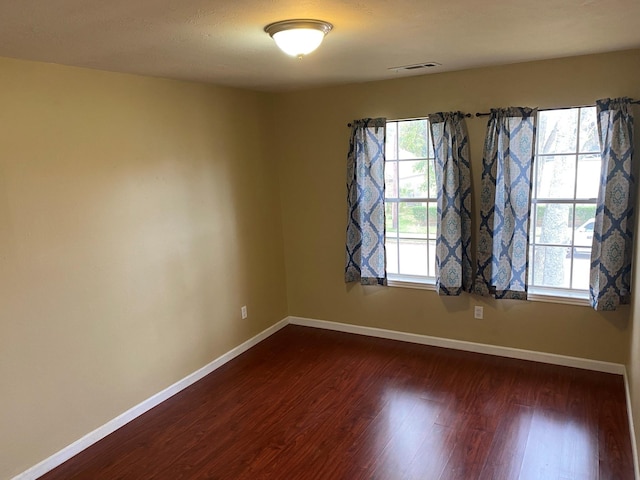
{"points": [[410, 202], [565, 189], [566, 175]]}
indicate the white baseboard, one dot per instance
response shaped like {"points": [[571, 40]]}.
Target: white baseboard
{"points": [[99, 433], [634, 444], [509, 352]]}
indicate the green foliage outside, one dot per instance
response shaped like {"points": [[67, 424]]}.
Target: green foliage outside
{"points": [[412, 218], [413, 137]]}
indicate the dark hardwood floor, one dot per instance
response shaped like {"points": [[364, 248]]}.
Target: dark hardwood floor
{"points": [[314, 404]]}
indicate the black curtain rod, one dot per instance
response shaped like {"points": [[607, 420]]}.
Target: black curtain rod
{"points": [[468, 115], [486, 114]]}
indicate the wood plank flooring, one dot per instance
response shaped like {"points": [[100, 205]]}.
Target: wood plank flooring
{"points": [[314, 404]]}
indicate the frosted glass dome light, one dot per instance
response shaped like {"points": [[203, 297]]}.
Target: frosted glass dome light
{"points": [[298, 37]]}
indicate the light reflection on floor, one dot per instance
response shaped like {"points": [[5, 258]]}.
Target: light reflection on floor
{"points": [[408, 436], [558, 444], [415, 435]]}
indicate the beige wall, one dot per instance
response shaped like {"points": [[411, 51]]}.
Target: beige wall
{"points": [[313, 143], [633, 364], [137, 216]]}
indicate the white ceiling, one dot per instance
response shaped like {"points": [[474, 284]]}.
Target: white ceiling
{"points": [[223, 42]]}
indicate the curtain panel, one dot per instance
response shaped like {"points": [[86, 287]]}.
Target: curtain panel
{"points": [[505, 203], [610, 279], [453, 179], [365, 250]]}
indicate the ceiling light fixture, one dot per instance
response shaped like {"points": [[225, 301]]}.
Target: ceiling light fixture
{"points": [[298, 37]]}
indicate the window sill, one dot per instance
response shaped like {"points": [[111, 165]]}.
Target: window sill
{"points": [[411, 281], [559, 295], [536, 294]]}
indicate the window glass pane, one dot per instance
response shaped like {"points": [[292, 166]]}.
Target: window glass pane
{"points": [[413, 179], [567, 170], [588, 176], [432, 258], [584, 212], [433, 190], [589, 131], [430, 152], [391, 218], [553, 223], [555, 176], [433, 219], [557, 131], [391, 140], [391, 246], [391, 179], [585, 220], [412, 139], [534, 228], [581, 268], [551, 266], [412, 219], [413, 257], [410, 173]]}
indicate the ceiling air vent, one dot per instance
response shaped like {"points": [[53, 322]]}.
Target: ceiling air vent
{"points": [[416, 66]]}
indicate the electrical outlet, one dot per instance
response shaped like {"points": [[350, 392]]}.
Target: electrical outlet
{"points": [[243, 312], [478, 312]]}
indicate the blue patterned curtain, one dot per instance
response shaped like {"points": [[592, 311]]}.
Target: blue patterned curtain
{"points": [[610, 280], [366, 260], [505, 207], [453, 177]]}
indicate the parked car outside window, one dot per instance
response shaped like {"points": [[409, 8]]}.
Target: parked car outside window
{"points": [[583, 237]]}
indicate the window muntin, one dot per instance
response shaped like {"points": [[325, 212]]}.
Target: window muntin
{"points": [[565, 189], [410, 201]]}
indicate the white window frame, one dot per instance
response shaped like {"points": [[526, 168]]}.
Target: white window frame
{"points": [[572, 296], [404, 280]]}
